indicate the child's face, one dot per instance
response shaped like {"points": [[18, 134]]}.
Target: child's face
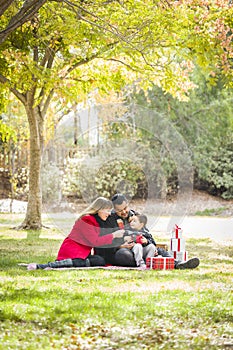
{"points": [[135, 224]]}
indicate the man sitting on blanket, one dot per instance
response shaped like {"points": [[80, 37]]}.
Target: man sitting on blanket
{"points": [[123, 255]]}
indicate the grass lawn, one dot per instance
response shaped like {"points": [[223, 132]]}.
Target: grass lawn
{"points": [[112, 309]]}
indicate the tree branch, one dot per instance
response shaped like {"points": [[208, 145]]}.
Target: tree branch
{"points": [[47, 102], [47, 62], [4, 4], [27, 11], [89, 59], [18, 94], [122, 62], [108, 28]]}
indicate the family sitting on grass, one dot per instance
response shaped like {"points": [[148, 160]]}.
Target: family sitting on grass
{"points": [[109, 233]]}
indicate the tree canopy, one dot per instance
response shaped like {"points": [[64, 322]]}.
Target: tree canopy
{"points": [[63, 50], [151, 41]]}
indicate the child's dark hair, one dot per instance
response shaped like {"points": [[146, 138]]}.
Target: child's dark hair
{"points": [[142, 218], [118, 199]]}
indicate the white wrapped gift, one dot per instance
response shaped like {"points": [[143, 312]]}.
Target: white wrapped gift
{"points": [[177, 244], [180, 256]]}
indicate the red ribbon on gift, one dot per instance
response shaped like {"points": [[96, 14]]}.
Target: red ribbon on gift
{"points": [[178, 245], [177, 228], [182, 256]]}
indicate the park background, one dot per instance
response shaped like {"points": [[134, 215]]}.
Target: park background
{"points": [[98, 97]]}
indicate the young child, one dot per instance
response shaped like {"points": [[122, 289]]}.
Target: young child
{"points": [[143, 244], [147, 246]]}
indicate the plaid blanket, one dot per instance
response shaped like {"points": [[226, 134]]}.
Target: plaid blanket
{"points": [[88, 268]]}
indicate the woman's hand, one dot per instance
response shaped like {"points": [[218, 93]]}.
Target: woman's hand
{"points": [[118, 233]]}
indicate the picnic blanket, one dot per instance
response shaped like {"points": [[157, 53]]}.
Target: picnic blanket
{"points": [[110, 267]]}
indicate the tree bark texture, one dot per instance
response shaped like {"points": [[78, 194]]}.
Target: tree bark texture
{"points": [[33, 218]]}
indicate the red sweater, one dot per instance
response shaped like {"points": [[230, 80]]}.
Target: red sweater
{"points": [[84, 235]]}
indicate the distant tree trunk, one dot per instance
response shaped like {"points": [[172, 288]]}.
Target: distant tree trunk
{"points": [[33, 218], [12, 171], [75, 127]]}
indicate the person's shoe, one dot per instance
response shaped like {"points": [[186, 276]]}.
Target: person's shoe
{"points": [[189, 264], [32, 266], [142, 267]]}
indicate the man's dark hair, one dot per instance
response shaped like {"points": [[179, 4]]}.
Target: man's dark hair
{"points": [[118, 199], [142, 218]]}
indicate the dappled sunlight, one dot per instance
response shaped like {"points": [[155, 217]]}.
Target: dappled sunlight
{"points": [[53, 235], [153, 287], [167, 307], [13, 234]]}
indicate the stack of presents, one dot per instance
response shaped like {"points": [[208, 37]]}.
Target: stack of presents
{"points": [[177, 250]]}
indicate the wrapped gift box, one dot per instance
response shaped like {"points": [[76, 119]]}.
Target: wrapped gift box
{"points": [[176, 232], [160, 263], [181, 256], [139, 239], [178, 244]]}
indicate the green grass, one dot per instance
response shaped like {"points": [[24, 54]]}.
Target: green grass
{"points": [[112, 309], [212, 212]]}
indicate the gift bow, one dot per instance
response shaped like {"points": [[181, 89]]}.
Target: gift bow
{"points": [[177, 228]]}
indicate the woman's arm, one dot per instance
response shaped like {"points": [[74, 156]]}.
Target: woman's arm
{"points": [[86, 231]]}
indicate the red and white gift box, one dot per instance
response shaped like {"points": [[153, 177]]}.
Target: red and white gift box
{"points": [[177, 244], [160, 263], [176, 232], [180, 256]]}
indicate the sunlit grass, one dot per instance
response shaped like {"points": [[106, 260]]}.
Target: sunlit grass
{"points": [[112, 309]]}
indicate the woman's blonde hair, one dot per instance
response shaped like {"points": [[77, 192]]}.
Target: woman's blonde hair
{"points": [[98, 204]]}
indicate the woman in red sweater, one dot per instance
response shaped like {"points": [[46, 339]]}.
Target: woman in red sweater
{"points": [[75, 250]]}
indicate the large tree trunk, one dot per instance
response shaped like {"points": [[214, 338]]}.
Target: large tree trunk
{"points": [[33, 219]]}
